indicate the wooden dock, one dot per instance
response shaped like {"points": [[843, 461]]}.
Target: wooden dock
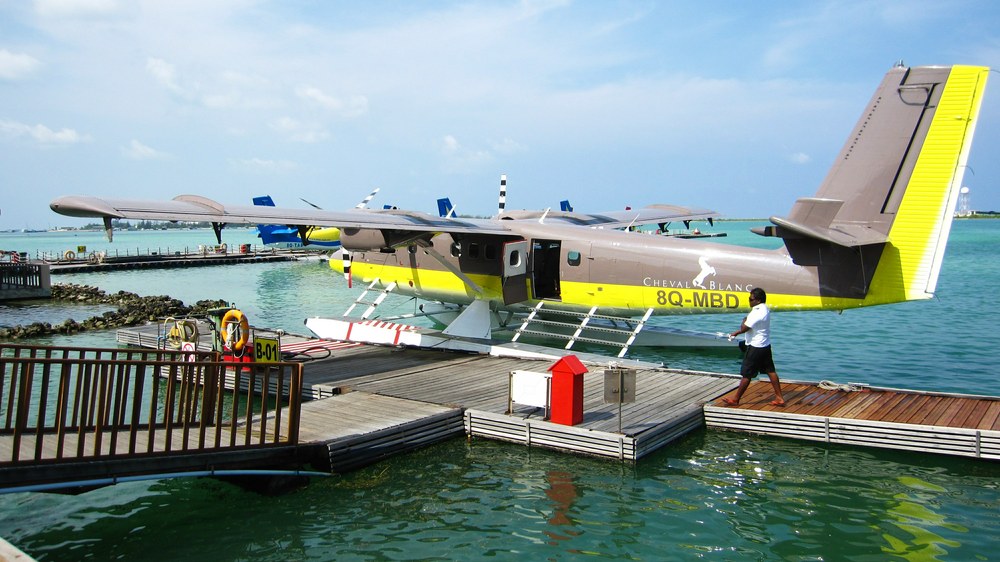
{"points": [[169, 261], [475, 388], [950, 424], [360, 428], [668, 402], [468, 392]]}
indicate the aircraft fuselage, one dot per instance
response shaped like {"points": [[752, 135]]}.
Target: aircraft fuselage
{"points": [[620, 272]]}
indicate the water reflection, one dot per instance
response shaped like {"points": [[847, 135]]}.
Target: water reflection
{"points": [[913, 515], [563, 493]]}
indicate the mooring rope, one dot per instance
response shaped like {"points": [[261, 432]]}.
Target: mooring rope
{"points": [[849, 387]]}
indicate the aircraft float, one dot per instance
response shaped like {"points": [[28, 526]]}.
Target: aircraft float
{"points": [[874, 233]]}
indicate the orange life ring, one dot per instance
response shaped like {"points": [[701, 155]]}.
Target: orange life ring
{"points": [[237, 335]]}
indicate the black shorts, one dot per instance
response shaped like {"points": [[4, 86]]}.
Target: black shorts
{"points": [[757, 361]]}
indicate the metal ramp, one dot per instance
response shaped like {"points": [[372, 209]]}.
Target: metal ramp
{"points": [[382, 293], [620, 333]]}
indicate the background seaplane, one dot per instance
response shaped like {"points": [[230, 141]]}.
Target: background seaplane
{"points": [[302, 235], [874, 233]]}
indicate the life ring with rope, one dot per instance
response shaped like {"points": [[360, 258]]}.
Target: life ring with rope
{"points": [[69, 255], [184, 330], [235, 329]]}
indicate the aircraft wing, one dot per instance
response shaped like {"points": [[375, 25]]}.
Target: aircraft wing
{"points": [[653, 214], [201, 209]]}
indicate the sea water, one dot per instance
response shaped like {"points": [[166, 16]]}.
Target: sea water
{"points": [[712, 495]]}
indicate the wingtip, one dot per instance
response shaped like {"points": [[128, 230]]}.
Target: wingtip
{"points": [[82, 206]]}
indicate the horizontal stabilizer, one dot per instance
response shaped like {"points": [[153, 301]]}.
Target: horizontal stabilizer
{"points": [[813, 217]]}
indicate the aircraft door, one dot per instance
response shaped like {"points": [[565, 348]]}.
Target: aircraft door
{"points": [[545, 256], [515, 272]]}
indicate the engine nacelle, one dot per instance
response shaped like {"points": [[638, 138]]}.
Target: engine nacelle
{"points": [[369, 239]]}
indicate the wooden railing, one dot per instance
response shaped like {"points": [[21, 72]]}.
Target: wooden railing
{"points": [[69, 404], [126, 254]]}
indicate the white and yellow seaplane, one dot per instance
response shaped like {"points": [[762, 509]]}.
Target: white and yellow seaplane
{"points": [[874, 233]]}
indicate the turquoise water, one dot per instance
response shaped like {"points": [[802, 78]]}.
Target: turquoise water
{"points": [[713, 495]]}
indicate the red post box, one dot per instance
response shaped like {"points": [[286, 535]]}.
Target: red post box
{"points": [[245, 355], [567, 391]]}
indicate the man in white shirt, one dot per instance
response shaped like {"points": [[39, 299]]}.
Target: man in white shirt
{"points": [[758, 359]]}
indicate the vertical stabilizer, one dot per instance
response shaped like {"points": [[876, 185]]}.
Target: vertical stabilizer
{"points": [[877, 227], [923, 215]]}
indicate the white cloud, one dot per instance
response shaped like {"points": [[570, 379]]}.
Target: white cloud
{"points": [[353, 106], [166, 74], [297, 131], [75, 8], [224, 89], [40, 134], [507, 146], [264, 165], [138, 151], [449, 145], [16, 65], [800, 158], [459, 159]]}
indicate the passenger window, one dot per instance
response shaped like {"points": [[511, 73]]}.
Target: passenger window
{"points": [[473, 250], [573, 258], [515, 259], [490, 252]]}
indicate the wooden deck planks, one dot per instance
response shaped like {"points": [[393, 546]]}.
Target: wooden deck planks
{"points": [[666, 405], [991, 418], [480, 383], [927, 422], [359, 412]]}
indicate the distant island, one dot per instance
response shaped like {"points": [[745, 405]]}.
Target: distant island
{"points": [[123, 225]]}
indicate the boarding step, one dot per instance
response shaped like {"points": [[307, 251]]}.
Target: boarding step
{"points": [[581, 324], [372, 305]]}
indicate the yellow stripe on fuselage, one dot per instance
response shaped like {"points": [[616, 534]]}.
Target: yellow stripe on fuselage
{"points": [[631, 300]]}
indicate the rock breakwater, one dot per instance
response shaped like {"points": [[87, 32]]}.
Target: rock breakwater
{"points": [[132, 310]]}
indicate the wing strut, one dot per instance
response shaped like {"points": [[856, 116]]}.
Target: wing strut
{"points": [[217, 228], [429, 248], [304, 233], [108, 231]]}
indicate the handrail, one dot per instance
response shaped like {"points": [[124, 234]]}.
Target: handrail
{"points": [[21, 275], [71, 403]]}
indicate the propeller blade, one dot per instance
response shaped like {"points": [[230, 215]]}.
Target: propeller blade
{"points": [[364, 202], [313, 205]]}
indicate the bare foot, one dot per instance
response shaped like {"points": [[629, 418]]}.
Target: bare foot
{"points": [[730, 402], [777, 402]]}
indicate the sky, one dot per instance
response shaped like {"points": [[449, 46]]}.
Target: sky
{"points": [[735, 106]]}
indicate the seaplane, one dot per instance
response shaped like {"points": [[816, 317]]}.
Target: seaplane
{"points": [[292, 237], [874, 233], [297, 236]]}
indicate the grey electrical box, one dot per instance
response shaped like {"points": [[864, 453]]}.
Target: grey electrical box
{"points": [[619, 386]]}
